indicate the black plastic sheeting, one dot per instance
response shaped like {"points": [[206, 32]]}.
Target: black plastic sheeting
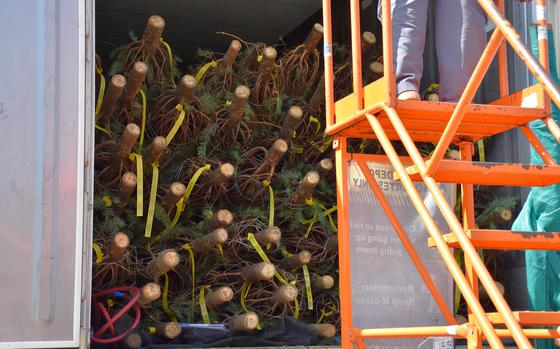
{"points": [[286, 332]]}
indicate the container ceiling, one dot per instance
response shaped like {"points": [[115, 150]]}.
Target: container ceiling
{"points": [[193, 23]]}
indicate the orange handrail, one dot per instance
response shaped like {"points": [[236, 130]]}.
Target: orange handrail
{"points": [[388, 69], [328, 59], [356, 54]]}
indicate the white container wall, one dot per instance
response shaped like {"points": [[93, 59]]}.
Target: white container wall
{"points": [[42, 116]]}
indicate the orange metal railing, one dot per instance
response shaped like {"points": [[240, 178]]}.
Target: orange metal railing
{"points": [[386, 120]]}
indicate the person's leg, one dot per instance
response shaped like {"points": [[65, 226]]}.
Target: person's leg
{"points": [[409, 34], [460, 40]]}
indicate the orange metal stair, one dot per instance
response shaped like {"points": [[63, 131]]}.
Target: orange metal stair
{"points": [[374, 112], [425, 121]]}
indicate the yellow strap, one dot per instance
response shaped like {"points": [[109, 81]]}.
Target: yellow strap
{"points": [[107, 201], [204, 68], [110, 303], [362, 147], [263, 256], [266, 183], [177, 124], [326, 145], [164, 300], [244, 291], [296, 311], [326, 212], [191, 256], [220, 250], [152, 203], [182, 203], [103, 130], [143, 97], [193, 181], [202, 303], [433, 87], [259, 58], [311, 222], [151, 330], [481, 154], [170, 57], [325, 313], [308, 287], [139, 183], [299, 150], [101, 90], [98, 253], [316, 122]]}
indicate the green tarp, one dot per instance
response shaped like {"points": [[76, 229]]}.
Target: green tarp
{"points": [[541, 213]]}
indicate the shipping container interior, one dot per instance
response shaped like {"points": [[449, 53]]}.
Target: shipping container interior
{"points": [[198, 31]]}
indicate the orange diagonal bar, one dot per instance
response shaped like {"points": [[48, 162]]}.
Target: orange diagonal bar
{"points": [[426, 217]]}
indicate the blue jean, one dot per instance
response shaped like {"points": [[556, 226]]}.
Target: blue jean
{"points": [[460, 40]]}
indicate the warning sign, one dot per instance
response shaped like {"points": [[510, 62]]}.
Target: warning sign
{"points": [[387, 290]]}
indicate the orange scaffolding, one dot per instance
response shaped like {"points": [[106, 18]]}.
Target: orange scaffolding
{"points": [[373, 111]]}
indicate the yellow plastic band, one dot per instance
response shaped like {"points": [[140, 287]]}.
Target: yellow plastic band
{"points": [[326, 145], [191, 256], [328, 213], [152, 203], [325, 313], [103, 130], [266, 183], [139, 183], [296, 310], [481, 154], [193, 181], [110, 303], [316, 122], [220, 250], [107, 201], [151, 330], [244, 291], [177, 124], [98, 253], [170, 57], [362, 147], [311, 222], [143, 97], [228, 103], [164, 300], [200, 74], [299, 150], [178, 210], [202, 303], [308, 287], [182, 203], [259, 58], [263, 256], [101, 90]]}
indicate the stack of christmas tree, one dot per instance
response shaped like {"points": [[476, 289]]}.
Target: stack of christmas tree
{"points": [[215, 195]]}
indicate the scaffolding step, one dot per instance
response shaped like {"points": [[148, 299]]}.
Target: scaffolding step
{"points": [[491, 173], [529, 318], [425, 121], [505, 240]]}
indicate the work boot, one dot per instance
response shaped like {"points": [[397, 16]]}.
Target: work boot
{"points": [[409, 96]]}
